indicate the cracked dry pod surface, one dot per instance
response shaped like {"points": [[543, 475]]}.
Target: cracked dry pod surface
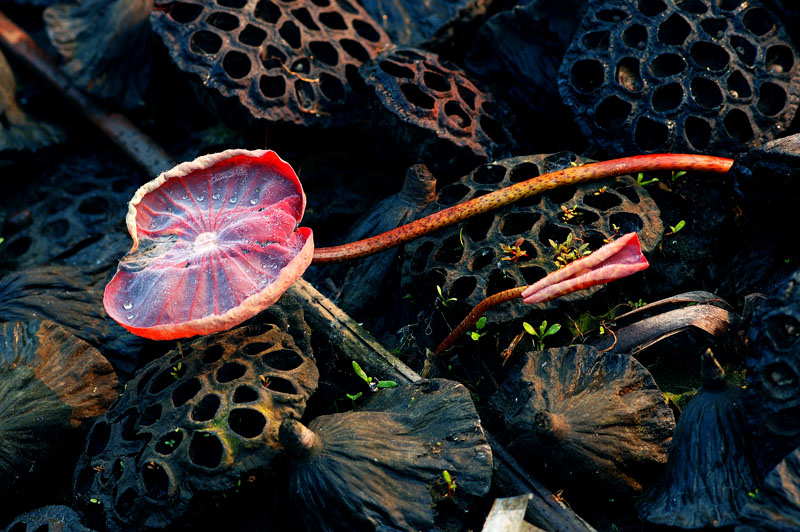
{"points": [[433, 113], [466, 260], [586, 420], [292, 62], [51, 383], [190, 424], [381, 468], [667, 75], [56, 518], [710, 467]]}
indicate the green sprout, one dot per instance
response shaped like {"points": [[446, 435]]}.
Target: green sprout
{"points": [[641, 181], [176, 371], [567, 251], [169, 443], [515, 251], [636, 304], [373, 383], [541, 334], [2, 239], [480, 324], [449, 482], [94, 500], [444, 301], [675, 228], [461, 237], [676, 175]]}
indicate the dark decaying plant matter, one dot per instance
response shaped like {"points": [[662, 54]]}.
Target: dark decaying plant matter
{"points": [[106, 46], [381, 467], [710, 469], [584, 418], [18, 131], [282, 61], [775, 506], [435, 111], [191, 423], [773, 374], [51, 383], [667, 75], [56, 518]]}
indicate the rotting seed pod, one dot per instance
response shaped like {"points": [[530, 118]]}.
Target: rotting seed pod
{"points": [[773, 374], [433, 112], [775, 505], [190, 424], [710, 468], [282, 61], [468, 260], [106, 45], [55, 518], [668, 75], [18, 131], [584, 418], [52, 383], [381, 468]]}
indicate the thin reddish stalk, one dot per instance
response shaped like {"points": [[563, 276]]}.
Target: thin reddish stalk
{"points": [[476, 313], [524, 189]]}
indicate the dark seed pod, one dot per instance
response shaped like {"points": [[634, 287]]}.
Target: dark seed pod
{"points": [[433, 113], [52, 383], [469, 262], [383, 467], [48, 519], [190, 424], [773, 375], [775, 506], [18, 131], [282, 61], [584, 418], [106, 45], [667, 75], [709, 467]]}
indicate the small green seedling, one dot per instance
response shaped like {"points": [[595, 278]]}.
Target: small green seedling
{"points": [[373, 383], [636, 304], [94, 500], [676, 175], [450, 483], [444, 301], [675, 228], [641, 181], [541, 334], [461, 237], [480, 324], [515, 251], [176, 371], [2, 239], [567, 251]]}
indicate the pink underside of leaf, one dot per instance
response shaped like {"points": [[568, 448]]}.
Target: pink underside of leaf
{"points": [[615, 260], [244, 209]]}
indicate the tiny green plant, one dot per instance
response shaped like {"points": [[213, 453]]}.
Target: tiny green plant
{"points": [[444, 301], [636, 304], [373, 383], [2, 239], [480, 324], [461, 237], [449, 482], [641, 181], [176, 371], [514, 252], [569, 213], [541, 334], [567, 251], [675, 228], [676, 175]]}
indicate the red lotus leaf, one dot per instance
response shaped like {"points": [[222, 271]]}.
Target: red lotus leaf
{"points": [[215, 241], [615, 260]]}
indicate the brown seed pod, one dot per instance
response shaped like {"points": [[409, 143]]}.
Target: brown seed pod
{"points": [[775, 505], [190, 424], [383, 467], [586, 420], [282, 61], [52, 382]]}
